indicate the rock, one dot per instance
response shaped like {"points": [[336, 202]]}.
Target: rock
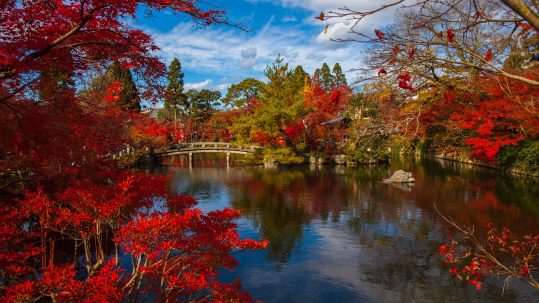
{"points": [[312, 159], [400, 177]]}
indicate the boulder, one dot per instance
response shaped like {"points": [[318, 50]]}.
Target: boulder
{"points": [[400, 176]]}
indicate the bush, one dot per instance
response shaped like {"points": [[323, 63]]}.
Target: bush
{"points": [[283, 155], [524, 157], [369, 150]]}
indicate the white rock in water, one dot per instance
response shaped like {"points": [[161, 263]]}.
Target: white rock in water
{"points": [[400, 176]]}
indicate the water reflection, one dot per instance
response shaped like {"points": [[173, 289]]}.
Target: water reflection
{"points": [[340, 235]]}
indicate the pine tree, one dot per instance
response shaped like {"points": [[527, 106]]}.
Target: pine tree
{"points": [[280, 105], [175, 99], [326, 79], [129, 99], [317, 75], [338, 76], [298, 76], [238, 95]]}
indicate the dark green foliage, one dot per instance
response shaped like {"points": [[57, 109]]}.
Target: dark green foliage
{"points": [[338, 77], [326, 78], [524, 157], [202, 103], [129, 99], [329, 79], [441, 139], [238, 95], [175, 99], [299, 75], [369, 150]]}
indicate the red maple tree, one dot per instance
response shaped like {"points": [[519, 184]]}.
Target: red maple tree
{"points": [[71, 216]]}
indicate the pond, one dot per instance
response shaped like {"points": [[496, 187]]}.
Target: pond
{"points": [[340, 235]]}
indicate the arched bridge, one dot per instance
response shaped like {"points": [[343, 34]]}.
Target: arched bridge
{"points": [[208, 147]]}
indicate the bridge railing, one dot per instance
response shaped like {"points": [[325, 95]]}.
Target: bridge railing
{"points": [[212, 145]]}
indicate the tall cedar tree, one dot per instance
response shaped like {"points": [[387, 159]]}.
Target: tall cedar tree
{"points": [[129, 99], [326, 78], [339, 78], [175, 98]]}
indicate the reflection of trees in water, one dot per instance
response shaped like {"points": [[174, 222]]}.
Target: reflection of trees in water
{"points": [[401, 232], [527, 189], [398, 256], [474, 195], [410, 270], [271, 200], [398, 230], [282, 202]]}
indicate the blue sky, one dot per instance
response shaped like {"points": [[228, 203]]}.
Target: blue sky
{"points": [[218, 56]]}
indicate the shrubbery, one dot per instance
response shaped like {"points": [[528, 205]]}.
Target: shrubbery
{"points": [[282, 155], [523, 157]]}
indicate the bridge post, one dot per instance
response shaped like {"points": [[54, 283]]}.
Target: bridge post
{"points": [[227, 159], [190, 159]]}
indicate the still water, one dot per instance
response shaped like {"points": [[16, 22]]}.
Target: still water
{"points": [[340, 235]]}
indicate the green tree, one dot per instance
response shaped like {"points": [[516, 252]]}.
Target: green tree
{"points": [[202, 106], [339, 78], [317, 74], [281, 104], [326, 78], [129, 99], [175, 102], [174, 96], [203, 102], [238, 95]]}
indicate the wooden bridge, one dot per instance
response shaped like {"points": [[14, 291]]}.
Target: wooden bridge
{"points": [[208, 147]]}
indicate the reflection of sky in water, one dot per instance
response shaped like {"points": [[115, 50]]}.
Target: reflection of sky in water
{"points": [[342, 236]]}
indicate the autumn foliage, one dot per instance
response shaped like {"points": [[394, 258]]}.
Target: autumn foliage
{"points": [[502, 254], [502, 113], [76, 227]]}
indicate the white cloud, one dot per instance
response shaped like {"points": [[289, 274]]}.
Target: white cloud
{"points": [[222, 87], [324, 5], [237, 55], [234, 54], [248, 53], [198, 85], [290, 19]]}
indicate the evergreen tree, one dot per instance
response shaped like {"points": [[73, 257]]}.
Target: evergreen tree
{"points": [[338, 76], [129, 99], [202, 106], [281, 104], [317, 75], [238, 95], [175, 99], [202, 103], [326, 79], [298, 76]]}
